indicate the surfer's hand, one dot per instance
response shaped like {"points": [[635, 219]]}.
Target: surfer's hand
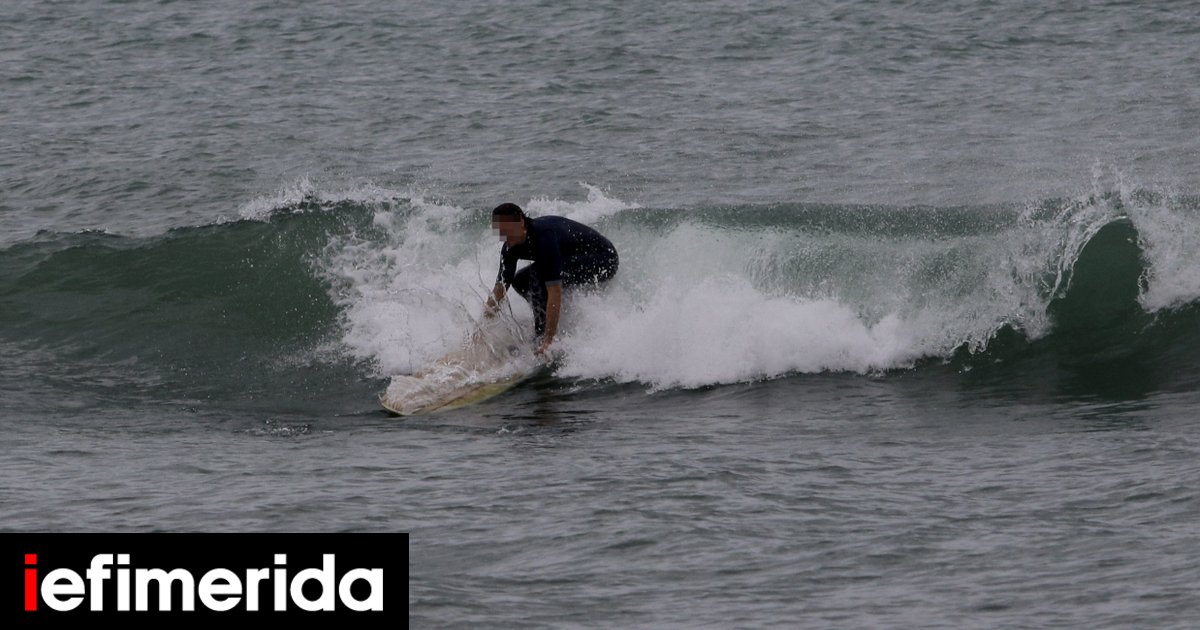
{"points": [[543, 350], [490, 308]]}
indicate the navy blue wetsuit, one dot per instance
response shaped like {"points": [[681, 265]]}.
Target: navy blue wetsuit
{"points": [[563, 251]]}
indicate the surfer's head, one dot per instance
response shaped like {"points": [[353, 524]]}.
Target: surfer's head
{"points": [[509, 220]]}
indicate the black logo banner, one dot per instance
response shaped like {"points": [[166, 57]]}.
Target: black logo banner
{"points": [[52, 580]]}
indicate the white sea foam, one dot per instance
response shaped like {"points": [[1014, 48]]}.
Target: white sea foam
{"points": [[693, 313], [598, 206], [1170, 239], [723, 330], [412, 299], [294, 193]]}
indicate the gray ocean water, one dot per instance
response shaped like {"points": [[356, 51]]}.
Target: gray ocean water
{"points": [[905, 333]]}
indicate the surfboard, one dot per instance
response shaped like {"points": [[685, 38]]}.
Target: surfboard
{"points": [[408, 402], [490, 362]]}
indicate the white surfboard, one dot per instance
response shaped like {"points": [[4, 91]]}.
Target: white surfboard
{"points": [[489, 363]]}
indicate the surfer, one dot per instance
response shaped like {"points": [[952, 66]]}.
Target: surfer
{"points": [[564, 253]]}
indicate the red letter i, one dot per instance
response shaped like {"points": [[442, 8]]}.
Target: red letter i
{"points": [[31, 582]]}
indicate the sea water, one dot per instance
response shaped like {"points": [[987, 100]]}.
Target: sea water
{"points": [[904, 334]]}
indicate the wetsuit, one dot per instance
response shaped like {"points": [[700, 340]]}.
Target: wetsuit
{"points": [[563, 252]]}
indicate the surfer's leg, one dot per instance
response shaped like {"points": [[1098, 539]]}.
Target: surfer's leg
{"points": [[520, 283], [529, 286], [591, 268]]}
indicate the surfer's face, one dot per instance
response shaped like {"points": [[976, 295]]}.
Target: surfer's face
{"points": [[513, 231]]}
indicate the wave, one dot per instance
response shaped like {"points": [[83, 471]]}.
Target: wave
{"points": [[735, 294], [386, 281], [231, 311]]}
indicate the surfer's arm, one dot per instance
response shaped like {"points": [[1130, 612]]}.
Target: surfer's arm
{"points": [[553, 308], [493, 301]]}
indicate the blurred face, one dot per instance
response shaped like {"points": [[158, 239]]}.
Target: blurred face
{"points": [[512, 230]]}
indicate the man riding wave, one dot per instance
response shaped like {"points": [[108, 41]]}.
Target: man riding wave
{"points": [[564, 253]]}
